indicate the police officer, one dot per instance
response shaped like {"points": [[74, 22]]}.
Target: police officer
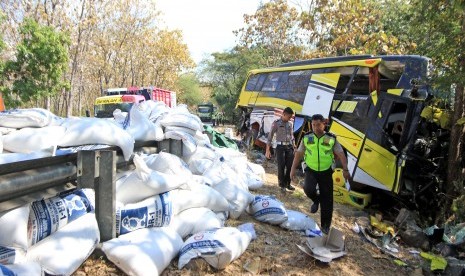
{"points": [[284, 130], [318, 149]]}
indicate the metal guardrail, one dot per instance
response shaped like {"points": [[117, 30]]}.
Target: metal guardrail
{"points": [[26, 181]]}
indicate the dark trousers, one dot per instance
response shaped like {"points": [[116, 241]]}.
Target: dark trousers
{"points": [[324, 179], [284, 156]]}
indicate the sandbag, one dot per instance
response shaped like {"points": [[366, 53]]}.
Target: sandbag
{"points": [[167, 163], [31, 117], [26, 268], [30, 223], [58, 211], [267, 209], [198, 195], [144, 182], [237, 197], [27, 140], [11, 255], [181, 120], [82, 131], [199, 166], [155, 211], [189, 131], [298, 221], [13, 226], [1, 143], [140, 127], [256, 169], [64, 251], [145, 251], [218, 247], [254, 182], [18, 157], [194, 220]]}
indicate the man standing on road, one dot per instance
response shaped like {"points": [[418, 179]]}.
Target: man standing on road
{"points": [[284, 130], [318, 149]]}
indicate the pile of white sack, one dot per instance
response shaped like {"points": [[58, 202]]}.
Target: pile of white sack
{"points": [[168, 206]]}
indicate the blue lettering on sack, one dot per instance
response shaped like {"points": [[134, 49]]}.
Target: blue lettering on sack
{"points": [[267, 211], [201, 244], [6, 271]]}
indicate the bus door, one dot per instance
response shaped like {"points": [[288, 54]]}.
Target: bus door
{"points": [[320, 93], [377, 164]]}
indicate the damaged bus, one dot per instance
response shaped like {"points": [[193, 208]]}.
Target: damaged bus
{"points": [[380, 108]]}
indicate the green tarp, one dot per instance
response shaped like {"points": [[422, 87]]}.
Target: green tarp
{"points": [[218, 139]]}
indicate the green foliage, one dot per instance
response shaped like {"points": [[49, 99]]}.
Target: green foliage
{"points": [[189, 90], [40, 65], [227, 72]]}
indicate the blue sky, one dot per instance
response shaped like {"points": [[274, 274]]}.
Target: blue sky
{"points": [[207, 25]]}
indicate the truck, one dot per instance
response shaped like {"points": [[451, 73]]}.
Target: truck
{"points": [[104, 106], [205, 112], [124, 98], [381, 109]]}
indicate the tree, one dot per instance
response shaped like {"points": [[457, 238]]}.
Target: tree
{"points": [[41, 61], [274, 29], [439, 28], [226, 73], [353, 27], [188, 91]]}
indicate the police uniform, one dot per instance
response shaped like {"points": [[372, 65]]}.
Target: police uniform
{"points": [[284, 150], [319, 158]]}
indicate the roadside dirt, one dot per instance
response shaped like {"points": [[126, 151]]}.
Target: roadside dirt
{"points": [[274, 252]]}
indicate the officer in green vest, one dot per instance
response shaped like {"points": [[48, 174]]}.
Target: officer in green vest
{"points": [[318, 149]]}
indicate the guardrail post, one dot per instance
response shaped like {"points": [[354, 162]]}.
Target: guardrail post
{"points": [[86, 169], [172, 146], [105, 197]]}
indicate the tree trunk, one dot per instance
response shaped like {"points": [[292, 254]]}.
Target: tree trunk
{"points": [[455, 166]]}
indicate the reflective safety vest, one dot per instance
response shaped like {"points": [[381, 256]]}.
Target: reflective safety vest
{"points": [[319, 151]]}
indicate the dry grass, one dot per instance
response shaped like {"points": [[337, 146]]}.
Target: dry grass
{"points": [[274, 252]]}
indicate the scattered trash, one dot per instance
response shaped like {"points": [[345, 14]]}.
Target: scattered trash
{"points": [[253, 266], [437, 263], [327, 248]]}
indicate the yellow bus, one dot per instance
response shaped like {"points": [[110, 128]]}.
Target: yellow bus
{"points": [[375, 105]]}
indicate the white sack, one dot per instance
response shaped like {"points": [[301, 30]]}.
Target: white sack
{"points": [[198, 195], [186, 120], [153, 212], [298, 221], [256, 169], [254, 182], [17, 157], [64, 251], [58, 211], [27, 268], [157, 109], [140, 127], [199, 166], [11, 255], [267, 209], [27, 140], [238, 198], [167, 163], [144, 252], [218, 247], [1, 143], [193, 220], [31, 117], [83, 131], [13, 226], [144, 182], [189, 131]]}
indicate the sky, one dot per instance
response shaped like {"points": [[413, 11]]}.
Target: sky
{"points": [[207, 25]]}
